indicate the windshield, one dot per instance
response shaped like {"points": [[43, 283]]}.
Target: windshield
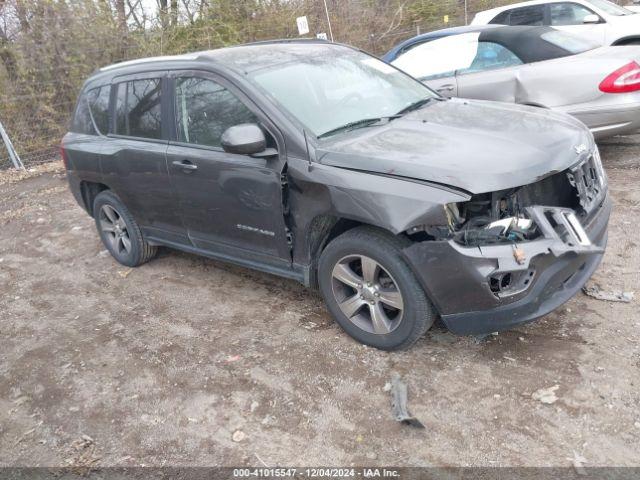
{"points": [[610, 8], [338, 87], [571, 43]]}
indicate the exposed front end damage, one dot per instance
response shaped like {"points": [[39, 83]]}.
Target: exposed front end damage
{"points": [[512, 256]]}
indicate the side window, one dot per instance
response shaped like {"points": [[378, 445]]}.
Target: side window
{"points": [[439, 58], [82, 122], [492, 56], [138, 109], [99, 107], [205, 109], [533, 15], [501, 18], [568, 14]]}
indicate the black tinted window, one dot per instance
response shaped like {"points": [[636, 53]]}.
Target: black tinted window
{"points": [[138, 109], [82, 122], [205, 109], [533, 15], [501, 19], [99, 106]]}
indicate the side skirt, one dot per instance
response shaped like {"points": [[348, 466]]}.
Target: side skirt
{"points": [[300, 273]]}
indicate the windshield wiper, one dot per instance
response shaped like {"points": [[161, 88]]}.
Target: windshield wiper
{"points": [[416, 105], [365, 122]]}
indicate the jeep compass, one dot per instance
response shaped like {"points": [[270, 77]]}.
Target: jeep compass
{"points": [[317, 162]]}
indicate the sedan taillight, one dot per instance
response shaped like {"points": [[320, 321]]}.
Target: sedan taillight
{"points": [[623, 80]]}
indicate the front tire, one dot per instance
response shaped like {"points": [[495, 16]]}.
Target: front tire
{"points": [[371, 292], [119, 231]]}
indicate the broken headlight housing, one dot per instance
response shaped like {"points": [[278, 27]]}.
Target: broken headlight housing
{"points": [[490, 219]]}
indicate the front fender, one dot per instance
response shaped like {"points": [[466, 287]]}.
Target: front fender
{"points": [[393, 203]]}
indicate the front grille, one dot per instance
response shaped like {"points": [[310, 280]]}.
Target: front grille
{"points": [[585, 177]]}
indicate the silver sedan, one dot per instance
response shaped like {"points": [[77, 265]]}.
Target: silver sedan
{"points": [[536, 66]]}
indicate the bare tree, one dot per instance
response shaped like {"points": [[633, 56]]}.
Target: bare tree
{"points": [[163, 13], [6, 54], [174, 13]]}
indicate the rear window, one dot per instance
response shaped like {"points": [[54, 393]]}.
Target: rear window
{"points": [[571, 43], [92, 114], [138, 109]]}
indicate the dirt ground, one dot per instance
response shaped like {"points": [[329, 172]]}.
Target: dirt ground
{"points": [[162, 365]]}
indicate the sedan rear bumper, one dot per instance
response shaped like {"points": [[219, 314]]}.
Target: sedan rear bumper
{"points": [[458, 279], [609, 120]]}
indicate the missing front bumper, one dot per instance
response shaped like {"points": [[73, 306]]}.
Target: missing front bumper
{"points": [[458, 279]]}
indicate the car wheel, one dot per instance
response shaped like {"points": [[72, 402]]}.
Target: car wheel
{"points": [[371, 292], [119, 231]]}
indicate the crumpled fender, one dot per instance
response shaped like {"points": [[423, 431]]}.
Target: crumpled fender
{"points": [[393, 203]]}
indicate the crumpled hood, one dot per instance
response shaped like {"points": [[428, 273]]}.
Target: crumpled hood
{"points": [[473, 145]]}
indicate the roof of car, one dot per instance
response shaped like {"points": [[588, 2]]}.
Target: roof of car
{"points": [[513, 5], [425, 37], [524, 41], [241, 58], [486, 16]]}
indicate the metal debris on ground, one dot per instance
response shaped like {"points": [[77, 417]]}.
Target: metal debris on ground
{"points": [[578, 462], [614, 296], [125, 273], [83, 457], [546, 395], [399, 403]]}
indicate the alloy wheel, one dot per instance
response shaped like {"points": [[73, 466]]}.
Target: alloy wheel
{"points": [[115, 230], [367, 294]]}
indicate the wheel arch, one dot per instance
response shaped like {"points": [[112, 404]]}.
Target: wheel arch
{"points": [[322, 230], [632, 39], [89, 191]]}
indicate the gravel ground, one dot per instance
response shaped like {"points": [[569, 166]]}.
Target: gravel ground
{"points": [[189, 361]]}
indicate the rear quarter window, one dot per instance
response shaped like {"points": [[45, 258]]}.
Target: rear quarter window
{"points": [[501, 18], [92, 114], [533, 16]]}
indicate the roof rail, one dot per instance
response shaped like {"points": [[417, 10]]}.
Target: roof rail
{"points": [[285, 40]]}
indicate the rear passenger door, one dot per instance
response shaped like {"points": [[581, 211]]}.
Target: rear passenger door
{"points": [[231, 204], [435, 62], [134, 159]]}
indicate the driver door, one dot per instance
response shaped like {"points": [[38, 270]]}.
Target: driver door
{"points": [[230, 204], [436, 62], [492, 74], [569, 17]]}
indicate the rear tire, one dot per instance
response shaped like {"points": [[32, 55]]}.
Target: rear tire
{"points": [[119, 231], [371, 292]]}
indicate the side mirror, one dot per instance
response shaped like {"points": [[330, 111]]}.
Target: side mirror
{"points": [[593, 18], [246, 139]]}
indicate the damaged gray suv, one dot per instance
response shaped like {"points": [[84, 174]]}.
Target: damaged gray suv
{"points": [[320, 163]]}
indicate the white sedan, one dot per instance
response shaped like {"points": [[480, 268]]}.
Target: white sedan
{"points": [[598, 20], [536, 66]]}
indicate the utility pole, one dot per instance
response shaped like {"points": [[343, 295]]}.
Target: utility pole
{"points": [[466, 13], [326, 11], [13, 155]]}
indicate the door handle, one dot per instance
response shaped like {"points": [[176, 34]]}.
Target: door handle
{"points": [[445, 88], [185, 165]]}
